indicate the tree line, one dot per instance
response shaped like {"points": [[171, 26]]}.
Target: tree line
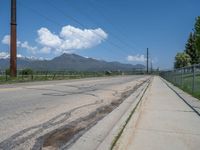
{"points": [[191, 54]]}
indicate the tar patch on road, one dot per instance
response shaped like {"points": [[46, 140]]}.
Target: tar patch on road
{"points": [[65, 136]]}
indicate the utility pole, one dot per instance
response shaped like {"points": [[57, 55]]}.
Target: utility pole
{"points": [[147, 60], [13, 40]]}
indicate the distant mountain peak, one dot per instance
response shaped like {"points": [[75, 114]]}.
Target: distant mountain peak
{"points": [[70, 62]]}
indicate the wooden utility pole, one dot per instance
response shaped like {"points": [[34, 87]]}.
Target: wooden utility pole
{"points": [[13, 40], [147, 60]]}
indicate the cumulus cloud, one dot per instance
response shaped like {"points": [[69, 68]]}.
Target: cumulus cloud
{"points": [[6, 40], [70, 38], [46, 38], [26, 45], [136, 58], [45, 50], [5, 55]]}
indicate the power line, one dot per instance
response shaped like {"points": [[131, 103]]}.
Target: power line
{"points": [[110, 33], [110, 22], [58, 24], [40, 14], [82, 25]]}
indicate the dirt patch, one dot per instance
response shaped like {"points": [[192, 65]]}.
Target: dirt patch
{"points": [[65, 136]]}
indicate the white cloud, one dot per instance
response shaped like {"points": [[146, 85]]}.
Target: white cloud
{"points": [[136, 58], [48, 39], [28, 47], [6, 40], [4, 55], [75, 38], [20, 56], [45, 50], [70, 38], [25, 44]]}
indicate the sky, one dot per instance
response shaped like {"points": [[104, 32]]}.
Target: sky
{"points": [[111, 30]]}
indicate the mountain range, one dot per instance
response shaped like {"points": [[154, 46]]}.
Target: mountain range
{"points": [[69, 62]]}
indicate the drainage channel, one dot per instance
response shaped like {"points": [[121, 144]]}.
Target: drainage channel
{"points": [[65, 136]]}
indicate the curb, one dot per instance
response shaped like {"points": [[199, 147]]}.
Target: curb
{"points": [[101, 135]]}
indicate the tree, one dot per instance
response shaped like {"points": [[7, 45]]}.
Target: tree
{"points": [[197, 36], [182, 60], [191, 49]]}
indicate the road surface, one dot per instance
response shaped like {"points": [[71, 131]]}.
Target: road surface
{"points": [[30, 111]]}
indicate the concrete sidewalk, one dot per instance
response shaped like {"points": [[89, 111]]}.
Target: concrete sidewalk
{"points": [[164, 122]]}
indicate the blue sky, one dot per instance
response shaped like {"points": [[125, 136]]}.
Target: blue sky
{"points": [[112, 30]]}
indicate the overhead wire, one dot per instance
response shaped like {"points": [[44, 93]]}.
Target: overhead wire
{"points": [[110, 33], [81, 24], [72, 18], [111, 24]]}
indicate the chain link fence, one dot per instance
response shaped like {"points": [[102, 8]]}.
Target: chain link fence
{"points": [[187, 78]]}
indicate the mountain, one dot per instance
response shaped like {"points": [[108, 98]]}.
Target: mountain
{"points": [[70, 62]]}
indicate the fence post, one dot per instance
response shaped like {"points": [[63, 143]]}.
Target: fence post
{"points": [[174, 77], [6, 77], [193, 79], [181, 77], [54, 76], [63, 76], [46, 75], [32, 76]]}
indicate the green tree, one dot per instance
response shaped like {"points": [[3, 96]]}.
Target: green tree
{"points": [[191, 49], [197, 36], [182, 60]]}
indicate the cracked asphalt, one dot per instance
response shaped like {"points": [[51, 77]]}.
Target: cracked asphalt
{"points": [[31, 110]]}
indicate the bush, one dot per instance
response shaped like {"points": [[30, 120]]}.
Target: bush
{"points": [[7, 71], [108, 73], [26, 72]]}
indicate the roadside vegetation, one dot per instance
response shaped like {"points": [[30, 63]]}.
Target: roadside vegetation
{"points": [[191, 54], [186, 73], [29, 75]]}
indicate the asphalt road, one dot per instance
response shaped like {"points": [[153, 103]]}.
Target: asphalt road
{"points": [[31, 110]]}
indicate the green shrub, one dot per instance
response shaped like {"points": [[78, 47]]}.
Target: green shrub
{"points": [[26, 72], [8, 71]]}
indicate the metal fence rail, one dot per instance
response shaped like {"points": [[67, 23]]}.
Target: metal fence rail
{"points": [[187, 78]]}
